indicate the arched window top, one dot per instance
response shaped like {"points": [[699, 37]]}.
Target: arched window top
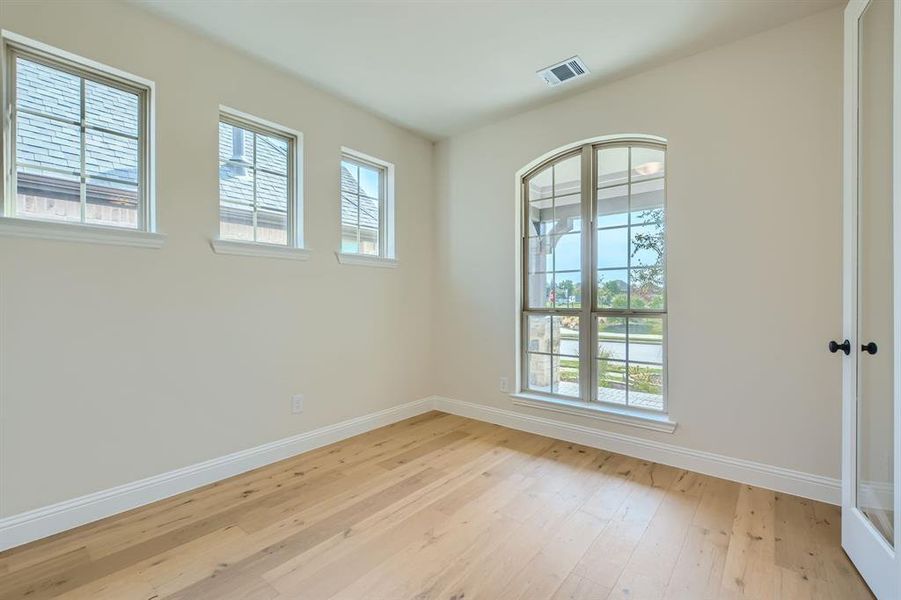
{"points": [[574, 147], [594, 273]]}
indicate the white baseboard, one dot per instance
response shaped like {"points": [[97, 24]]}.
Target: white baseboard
{"points": [[816, 487], [42, 522]]}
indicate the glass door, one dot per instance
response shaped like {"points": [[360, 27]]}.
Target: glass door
{"points": [[871, 384], [874, 276]]}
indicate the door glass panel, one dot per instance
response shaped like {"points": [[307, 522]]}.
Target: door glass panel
{"points": [[875, 485]]}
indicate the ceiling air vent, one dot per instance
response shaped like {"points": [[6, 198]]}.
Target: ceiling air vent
{"points": [[571, 68]]}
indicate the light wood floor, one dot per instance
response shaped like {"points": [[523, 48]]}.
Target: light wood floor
{"points": [[444, 507]]}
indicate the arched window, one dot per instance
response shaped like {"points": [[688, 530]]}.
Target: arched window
{"points": [[594, 275]]}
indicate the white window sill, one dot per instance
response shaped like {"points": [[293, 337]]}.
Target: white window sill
{"points": [[78, 232], [613, 414], [237, 248], [366, 261]]}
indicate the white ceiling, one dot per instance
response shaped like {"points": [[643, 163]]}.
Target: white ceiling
{"points": [[440, 67]]}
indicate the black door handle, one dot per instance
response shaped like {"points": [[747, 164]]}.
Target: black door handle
{"points": [[844, 347], [871, 348]]}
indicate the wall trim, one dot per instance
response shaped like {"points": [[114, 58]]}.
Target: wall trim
{"points": [[79, 232], [798, 483], [35, 524], [241, 248]]}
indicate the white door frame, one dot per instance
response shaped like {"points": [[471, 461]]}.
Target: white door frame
{"points": [[877, 561]]}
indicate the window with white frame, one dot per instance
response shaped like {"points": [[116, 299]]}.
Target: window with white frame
{"points": [[366, 206], [594, 276], [258, 196], [78, 142]]}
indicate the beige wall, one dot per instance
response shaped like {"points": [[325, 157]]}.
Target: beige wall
{"points": [[119, 363], [754, 264]]}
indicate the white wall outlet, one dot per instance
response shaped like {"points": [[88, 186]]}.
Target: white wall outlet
{"points": [[297, 403], [505, 384]]}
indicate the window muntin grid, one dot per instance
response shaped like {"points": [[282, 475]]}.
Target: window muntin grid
{"points": [[79, 144], [257, 195], [626, 246], [363, 207]]}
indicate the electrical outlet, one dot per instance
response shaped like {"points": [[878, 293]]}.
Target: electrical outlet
{"points": [[505, 385], [297, 403]]}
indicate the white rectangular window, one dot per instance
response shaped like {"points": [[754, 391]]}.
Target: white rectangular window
{"points": [[594, 281], [79, 140], [258, 190], [367, 209]]}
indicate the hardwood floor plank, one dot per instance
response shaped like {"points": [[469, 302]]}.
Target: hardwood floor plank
{"points": [[750, 570], [542, 576], [443, 507], [580, 588], [698, 572], [606, 559], [655, 556]]}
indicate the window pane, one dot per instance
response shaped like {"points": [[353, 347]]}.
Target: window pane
{"points": [[236, 191], [646, 386], [369, 212], [111, 203], [613, 206], [613, 289], [48, 90], [647, 288], [568, 176], [272, 154], [272, 227], [613, 248], [538, 374], [613, 166], [539, 333], [611, 381], [565, 376], [272, 192], [369, 225], [349, 239], [647, 163], [541, 218], [369, 241], [647, 197], [611, 337], [568, 289], [349, 207], [646, 339], [370, 182], [566, 335], [540, 185], [47, 143], [235, 204], [46, 195], [111, 108], [349, 177], [236, 222], [110, 155], [541, 288], [567, 252], [541, 255], [647, 246], [568, 213], [236, 149]]}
